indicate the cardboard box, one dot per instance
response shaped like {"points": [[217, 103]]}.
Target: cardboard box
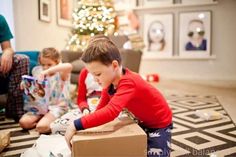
{"points": [[119, 138]]}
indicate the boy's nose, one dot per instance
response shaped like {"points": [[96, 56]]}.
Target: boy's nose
{"points": [[95, 78]]}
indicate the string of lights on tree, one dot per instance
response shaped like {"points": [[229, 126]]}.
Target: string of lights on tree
{"points": [[91, 17]]}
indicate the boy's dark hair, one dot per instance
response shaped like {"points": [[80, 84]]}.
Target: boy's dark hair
{"points": [[102, 49]]}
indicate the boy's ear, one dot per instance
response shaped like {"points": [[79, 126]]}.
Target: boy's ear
{"points": [[115, 64]]}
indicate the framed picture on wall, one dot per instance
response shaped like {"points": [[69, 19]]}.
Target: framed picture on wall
{"points": [[158, 35], [155, 3], [195, 34], [45, 10], [64, 12]]}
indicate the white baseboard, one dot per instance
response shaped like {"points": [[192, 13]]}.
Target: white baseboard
{"points": [[213, 83]]}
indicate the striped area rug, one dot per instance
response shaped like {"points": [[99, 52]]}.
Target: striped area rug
{"points": [[191, 136], [19, 139]]}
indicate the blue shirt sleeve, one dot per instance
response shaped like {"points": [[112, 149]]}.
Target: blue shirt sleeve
{"points": [[78, 124]]}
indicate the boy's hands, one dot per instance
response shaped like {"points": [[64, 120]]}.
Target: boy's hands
{"points": [[86, 111], [70, 132]]}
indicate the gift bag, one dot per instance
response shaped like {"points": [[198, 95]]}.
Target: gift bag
{"points": [[4, 139], [30, 152], [49, 146]]}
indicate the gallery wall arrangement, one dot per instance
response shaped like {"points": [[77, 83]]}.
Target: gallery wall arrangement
{"points": [[181, 34], [166, 34], [64, 9]]}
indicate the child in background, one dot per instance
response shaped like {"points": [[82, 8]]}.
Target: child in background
{"points": [[58, 77], [89, 93], [123, 88]]}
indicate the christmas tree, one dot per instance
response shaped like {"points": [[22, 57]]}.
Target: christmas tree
{"points": [[91, 17]]}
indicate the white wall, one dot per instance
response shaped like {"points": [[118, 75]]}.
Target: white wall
{"points": [[223, 47], [6, 9], [33, 34]]}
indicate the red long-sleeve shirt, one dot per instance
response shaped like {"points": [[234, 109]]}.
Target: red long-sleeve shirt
{"points": [[82, 91], [87, 88], [142, 99]]}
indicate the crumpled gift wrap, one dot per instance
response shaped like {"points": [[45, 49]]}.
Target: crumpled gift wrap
{"points": [[4, 139]]}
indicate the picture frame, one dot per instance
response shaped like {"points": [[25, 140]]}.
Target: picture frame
{"points": [[123, 5], [155, 3], [158, 36], [64, 12], [45, 10], [195, 34]]}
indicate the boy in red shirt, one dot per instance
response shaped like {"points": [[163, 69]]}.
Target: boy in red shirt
{"points": [[123, 88]]}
